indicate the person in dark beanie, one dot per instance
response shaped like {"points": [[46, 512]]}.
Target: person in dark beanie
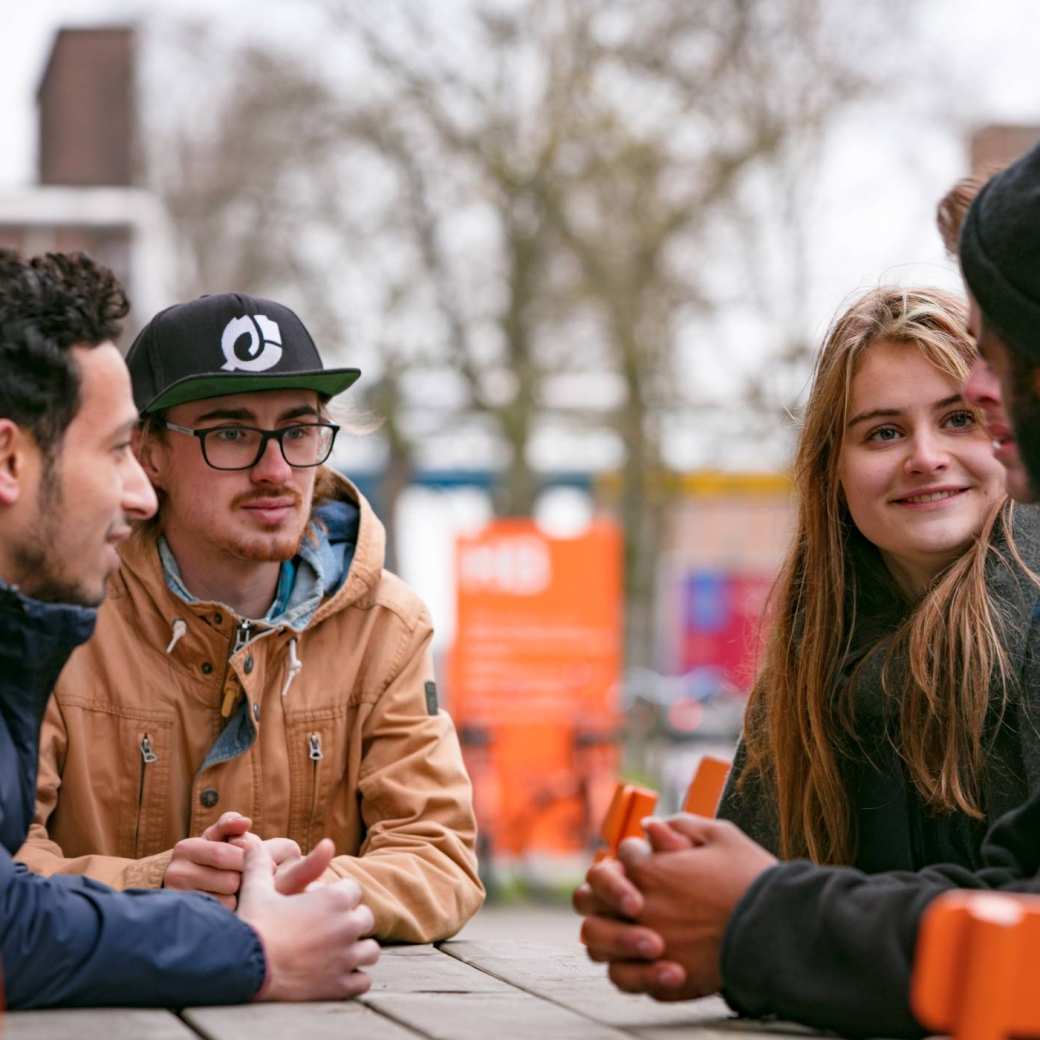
{"points": [[69, 489], [699, 907], [1000, 261]]}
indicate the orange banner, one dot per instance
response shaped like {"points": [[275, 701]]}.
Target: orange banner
{"points": [[534, 675]]}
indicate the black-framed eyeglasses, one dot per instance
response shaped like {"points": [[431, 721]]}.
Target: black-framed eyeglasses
{"points": [[242, 447]]}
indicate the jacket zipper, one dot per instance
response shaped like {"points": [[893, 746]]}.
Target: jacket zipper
{"points": [[148, 756], [316, 755], [242, 630], [241, 635]]}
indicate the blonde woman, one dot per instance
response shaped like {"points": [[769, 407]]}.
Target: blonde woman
{"points": [[890, 720]]}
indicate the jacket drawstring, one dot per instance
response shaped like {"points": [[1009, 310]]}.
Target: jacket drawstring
{"points": [[295, 667], [179, 630]]}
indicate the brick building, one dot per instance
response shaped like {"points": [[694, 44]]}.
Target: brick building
{"points": [[88, 194]]}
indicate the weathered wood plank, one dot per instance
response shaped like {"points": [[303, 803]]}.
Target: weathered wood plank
{"points": [[565, 975], [424, 969], [319, 1021], [477, 1016], [95, 1024]]}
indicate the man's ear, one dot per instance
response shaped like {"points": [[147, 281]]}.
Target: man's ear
{"points": [[14, 442], [150, 453]]}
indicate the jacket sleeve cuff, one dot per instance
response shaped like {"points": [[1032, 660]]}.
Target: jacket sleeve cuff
{"points": [[829, 947], [741, 975], [148, 872]]}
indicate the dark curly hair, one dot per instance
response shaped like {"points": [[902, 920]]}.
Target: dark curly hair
{"points": [[47, 305]]}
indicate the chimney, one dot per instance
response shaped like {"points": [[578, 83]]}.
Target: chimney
{"points": [[87, 111]]}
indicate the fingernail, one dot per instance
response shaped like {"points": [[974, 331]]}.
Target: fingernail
{"points": [[630, 906], [646, 947], [669, 977]]}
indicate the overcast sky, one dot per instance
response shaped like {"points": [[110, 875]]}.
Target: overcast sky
{"points": [[991, 45], [881, 179], [882, 175]]}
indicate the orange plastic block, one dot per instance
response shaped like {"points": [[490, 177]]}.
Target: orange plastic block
{"points": [[975, 966], [627, 808], [702, 797]]}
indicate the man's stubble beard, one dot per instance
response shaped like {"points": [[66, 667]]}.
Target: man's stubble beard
{"points": [[263, 548], [36, 560], [258, 547]]}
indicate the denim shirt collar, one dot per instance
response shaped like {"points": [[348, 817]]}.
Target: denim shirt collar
{"points": [[302, 581]]}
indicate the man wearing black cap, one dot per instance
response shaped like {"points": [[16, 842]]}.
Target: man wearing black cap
{"points": [[700, 907], [69, 489], [255, 668]]}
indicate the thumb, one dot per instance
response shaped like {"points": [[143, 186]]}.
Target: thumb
{"points": [[700, 830], [294, 877], [664, 838], [230, 825], [257, 871], [632, 852]]}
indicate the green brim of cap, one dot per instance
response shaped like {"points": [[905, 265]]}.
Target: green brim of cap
{"points": [[327, 381]]}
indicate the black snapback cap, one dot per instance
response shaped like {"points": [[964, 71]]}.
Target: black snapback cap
{"points": [[228, 343]]}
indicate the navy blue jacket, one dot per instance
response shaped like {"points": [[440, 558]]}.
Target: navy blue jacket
{"points": [[70, 941]]}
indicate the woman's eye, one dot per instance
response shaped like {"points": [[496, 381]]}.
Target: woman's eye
{"points": [[883, 433], [961, 419]]}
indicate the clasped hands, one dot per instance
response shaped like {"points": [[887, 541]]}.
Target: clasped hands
{"points": [[213, 863], [314, 937], [658, 913]]}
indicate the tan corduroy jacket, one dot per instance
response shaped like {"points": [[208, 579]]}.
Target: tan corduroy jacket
{"points": [[341, 729]]}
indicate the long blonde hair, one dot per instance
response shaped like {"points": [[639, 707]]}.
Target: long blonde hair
{"points": [[800, 715]]}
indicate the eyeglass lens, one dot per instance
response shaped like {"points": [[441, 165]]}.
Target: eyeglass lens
{"points": [[239, 447]]}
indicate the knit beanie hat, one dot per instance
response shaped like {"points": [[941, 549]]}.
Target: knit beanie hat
{"points": [[1000, 253]]}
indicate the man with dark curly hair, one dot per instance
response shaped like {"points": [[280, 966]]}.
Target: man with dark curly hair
{"points": [[69, 488]]}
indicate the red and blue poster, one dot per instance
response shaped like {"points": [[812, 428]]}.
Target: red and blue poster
{"points": [[721, 616]]}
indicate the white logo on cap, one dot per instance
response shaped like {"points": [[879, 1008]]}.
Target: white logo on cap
{"points": [[265, 344]]}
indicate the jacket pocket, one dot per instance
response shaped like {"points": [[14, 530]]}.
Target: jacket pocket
{"points": [[151, 748], [149, 759], [317, 756], [111, 801]]}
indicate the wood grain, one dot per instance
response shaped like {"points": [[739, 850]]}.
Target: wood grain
{"points": [[95, 1024]]}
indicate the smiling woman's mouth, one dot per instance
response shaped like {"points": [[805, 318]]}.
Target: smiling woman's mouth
{"points": [[925, 497]]}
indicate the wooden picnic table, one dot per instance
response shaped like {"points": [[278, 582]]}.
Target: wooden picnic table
{"points": [[490, 990]]}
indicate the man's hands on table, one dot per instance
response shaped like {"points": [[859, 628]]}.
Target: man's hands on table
{"points": [[314, 940], [659, 912], [213, 863], [313, 935]]}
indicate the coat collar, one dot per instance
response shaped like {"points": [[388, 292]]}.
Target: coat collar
{"points": [[36, 639]]}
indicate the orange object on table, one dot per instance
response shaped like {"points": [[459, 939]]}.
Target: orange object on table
{"points": [[705, 790], [623, 820], [974, 967]]}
